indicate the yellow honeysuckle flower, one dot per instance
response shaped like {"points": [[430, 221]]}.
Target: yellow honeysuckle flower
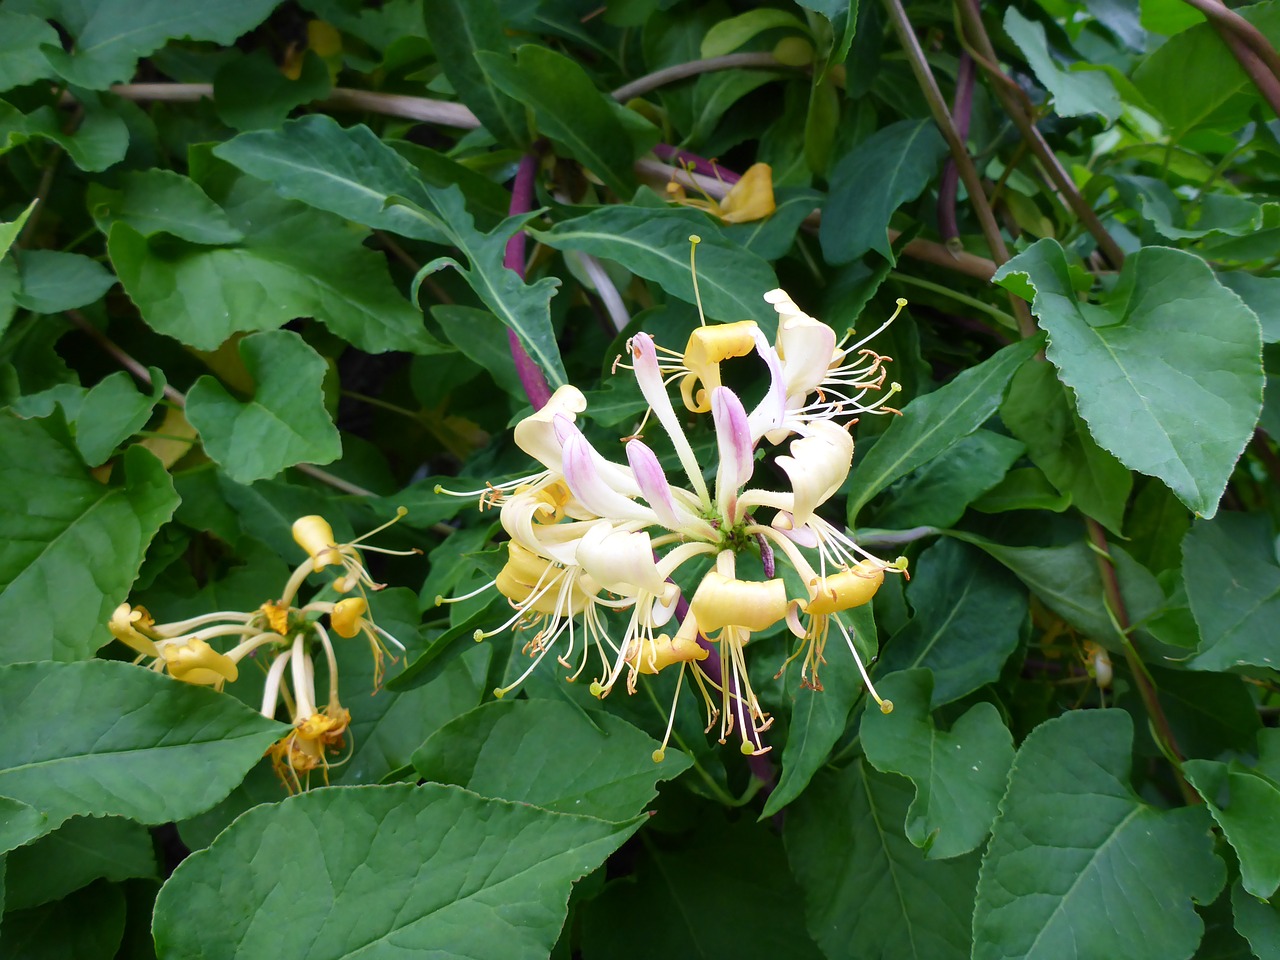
{"points": [[196, 662], [751, 198]]}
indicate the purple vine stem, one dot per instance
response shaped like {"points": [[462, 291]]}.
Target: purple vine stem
{"points": [[531, 376], [948, 186], [709, 168]]}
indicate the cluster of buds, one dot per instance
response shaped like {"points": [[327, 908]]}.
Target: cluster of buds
{"points": [[291, 635], [592, 537]]}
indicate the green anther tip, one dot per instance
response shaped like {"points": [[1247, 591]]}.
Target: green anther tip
{"points": [[747, 748], [401, 511], [886, 706], [595, 689], [694, 238], [902, 301], [439, 488], [499, 692], [478, 636], [439, 599], [658, 755]]}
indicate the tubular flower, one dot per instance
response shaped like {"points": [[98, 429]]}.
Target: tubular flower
{"points": [[593, 537], [290, 634], [751, 198]]}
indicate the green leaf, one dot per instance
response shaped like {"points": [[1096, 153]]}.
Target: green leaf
{"points": [[1075, 94], [931, 424], [1261, 294], [1246, 806], [110, 35], [127, 742], [459, 29], [654, 243], [482, 340], [881, 173], [1040, 413], [1257, 920], [959, 774], [284, 423], [1067, 580], [819, 717], [568, 109], [690, 886], [1171, 351], [550, 754], [1222, 93], [99, 140], [937, 494], [344, 170], [112, 412], [74, 544], [19, 823], [201, 295], [9, 231], [1025, 488], [21, 59], [88, 925], [161, 201], [1078, 866], [968, 618], [865, 883], [407, 869], [252, 93], [730, 34], [1233, 585], [82, 850], [53, 281], [524, 308]]}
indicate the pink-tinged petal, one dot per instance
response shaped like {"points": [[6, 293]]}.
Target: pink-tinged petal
{"points": [[535, 434], [588, 485], [733, 438], [817, 466], [644, 362], [615, 475], [807, 346], [802, 536], [620, 561], [770, 412], [520, 515], [653, 484]]}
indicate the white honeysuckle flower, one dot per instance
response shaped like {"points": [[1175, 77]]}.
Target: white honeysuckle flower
{"points": [[592, 537]]}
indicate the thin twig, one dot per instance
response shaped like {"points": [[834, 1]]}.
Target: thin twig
{"points": [[1022, 113], [959, 152], [1141, 677], [681, 71]]}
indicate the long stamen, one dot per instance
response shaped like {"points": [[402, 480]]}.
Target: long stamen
{"points": [[886, 706], [694, 240]]}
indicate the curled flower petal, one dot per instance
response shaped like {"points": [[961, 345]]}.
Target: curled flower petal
{"points": [[644, 360], [707, 348], [314, 535], [722, 601], [768, 416], [651, 655], [620, 560], [346, 616], [817, 466], [124, 627], [534, 583], [751, 198], [535, 434], [196, 662], [846, 589]]}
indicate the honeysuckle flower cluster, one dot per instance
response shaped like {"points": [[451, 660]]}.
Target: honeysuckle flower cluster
{"points": [[290, 635], [593, 539]]}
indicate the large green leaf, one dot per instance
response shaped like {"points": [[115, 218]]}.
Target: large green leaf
{"points": [[881, 173], [819, 717], [88, 925], [161, 201], [285, 421], [1039, 412], [19, 823], [21, 59], [1167, 374], [459, 29], [706, 889], [98, 141], [344, 170], [82, 850], [869, 892], [402, 869], [654, 243], [968, 617], [1246, 806], [252, 93], [1233, 585], [550, 754], [73, 545], [293, 262], [1078, 866], [929, 425], [937, 494], [568, 109], [1259, 921], [104, 738], [1074, 94], [109, 36], [959, 774], [53, 281], [112, 412]]}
